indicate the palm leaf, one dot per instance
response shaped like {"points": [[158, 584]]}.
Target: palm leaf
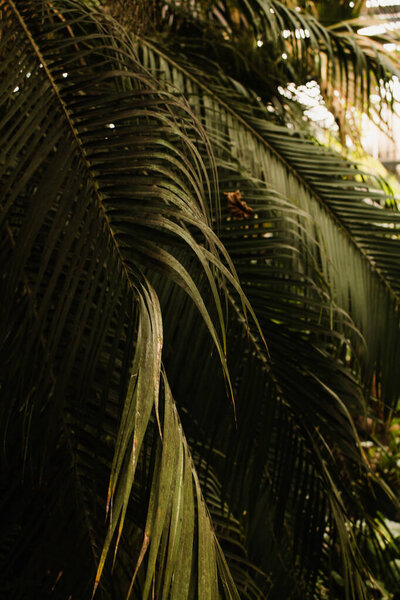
{"points": [[358, 246], [286, 391], [80, 311], [292, 406], [87, 137], [281, 42]]}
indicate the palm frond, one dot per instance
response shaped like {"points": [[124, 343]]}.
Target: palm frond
{"points": [[303, 389], [358, 243], [106, 206], [90, 142], [267, 44]]}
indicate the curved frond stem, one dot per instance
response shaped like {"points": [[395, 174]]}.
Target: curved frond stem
{"points": [[296, 174]]}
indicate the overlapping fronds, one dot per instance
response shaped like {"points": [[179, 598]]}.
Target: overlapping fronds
{"points": [[267, 44], [325, 217], [108, 144], [91, 144], [358, 241], [293, 404]]}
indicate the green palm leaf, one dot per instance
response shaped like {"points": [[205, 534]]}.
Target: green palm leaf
{"points": [[283, 41], [106, 206], [87, 136], [236, 135], [346, 207]]}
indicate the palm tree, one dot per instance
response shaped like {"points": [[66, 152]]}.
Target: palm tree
{"points": [[199, 311]]}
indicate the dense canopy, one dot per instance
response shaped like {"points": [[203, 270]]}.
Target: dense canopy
{"points": [[199, 311]]}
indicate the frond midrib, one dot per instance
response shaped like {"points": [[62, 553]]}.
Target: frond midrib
{"points": [[86, 516], [298, 176], [78, 142]]}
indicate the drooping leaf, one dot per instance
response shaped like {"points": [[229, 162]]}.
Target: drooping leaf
{"points": [[88, 136]]}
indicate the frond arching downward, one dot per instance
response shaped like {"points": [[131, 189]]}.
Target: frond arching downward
{"points": [[105, 200], [89, 142], [358, 244]]}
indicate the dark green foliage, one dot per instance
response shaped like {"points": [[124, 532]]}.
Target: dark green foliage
{"points": [[181, 387]]}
